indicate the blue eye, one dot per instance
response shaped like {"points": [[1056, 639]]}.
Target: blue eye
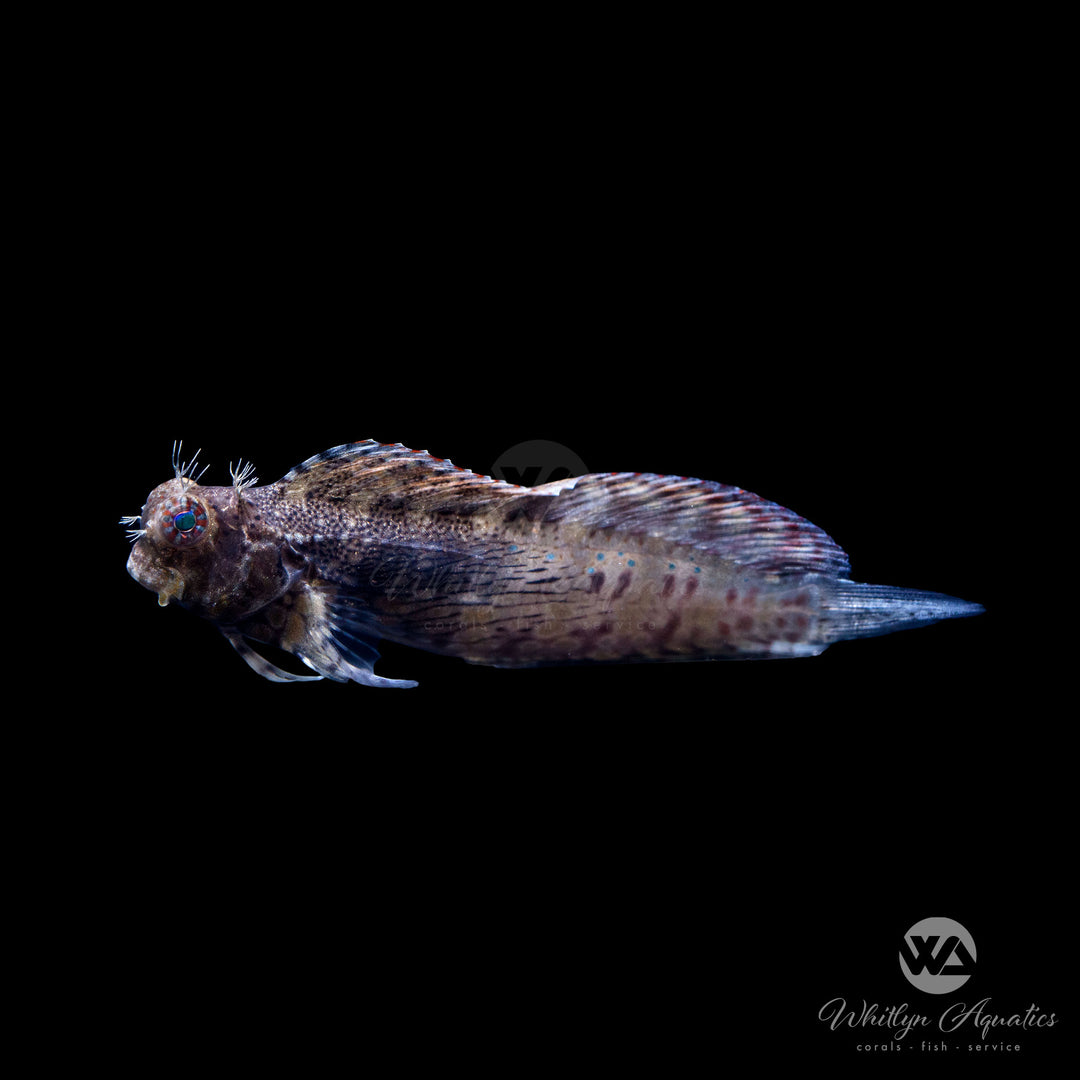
{"points": [[183, 521]]}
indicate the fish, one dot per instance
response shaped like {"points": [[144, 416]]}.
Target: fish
{"points": [[370, 542]]}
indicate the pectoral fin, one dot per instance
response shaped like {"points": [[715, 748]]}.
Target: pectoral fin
{"points": [[330, 640]]}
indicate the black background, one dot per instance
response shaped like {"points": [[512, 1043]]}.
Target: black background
{"points": [[810, 290]]}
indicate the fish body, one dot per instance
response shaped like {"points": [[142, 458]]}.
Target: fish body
{"points": [[370, 542]]}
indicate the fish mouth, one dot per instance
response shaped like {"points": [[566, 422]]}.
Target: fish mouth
{"points": [[163, 580]]}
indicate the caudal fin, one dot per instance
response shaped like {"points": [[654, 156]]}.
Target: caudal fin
{"points": [[853, 610]]}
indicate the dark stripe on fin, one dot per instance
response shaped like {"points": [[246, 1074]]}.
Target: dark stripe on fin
{"points": [[725, 521]]}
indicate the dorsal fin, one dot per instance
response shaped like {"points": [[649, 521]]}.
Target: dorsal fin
{"points": [[372, 471], [726, 521]]}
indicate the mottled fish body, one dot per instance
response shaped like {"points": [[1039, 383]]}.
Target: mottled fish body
{"points": [[368, 541]]}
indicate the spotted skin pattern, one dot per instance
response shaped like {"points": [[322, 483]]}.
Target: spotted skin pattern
{"points": [[370, 541]]}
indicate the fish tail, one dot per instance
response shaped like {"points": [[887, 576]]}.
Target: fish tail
{"points": [[854, 610]]}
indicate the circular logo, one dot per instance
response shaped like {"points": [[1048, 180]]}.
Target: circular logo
{"points": [[937, 956], [537, 462]]}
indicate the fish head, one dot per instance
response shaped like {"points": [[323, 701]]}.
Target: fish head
{"points": [[197, 547], [172, 550]]}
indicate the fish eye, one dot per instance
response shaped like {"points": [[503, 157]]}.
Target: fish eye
{"points": [[183, 520]]}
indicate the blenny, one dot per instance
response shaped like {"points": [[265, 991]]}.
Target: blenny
{"points": [[370, 541]]}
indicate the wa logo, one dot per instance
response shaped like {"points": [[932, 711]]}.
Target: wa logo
{"points": [[937, 956], [537, 462]]}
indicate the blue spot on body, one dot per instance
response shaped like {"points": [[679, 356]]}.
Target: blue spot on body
{"points": [[550, 557], [591, 570], [697, 569], [671, 566], [513, 547], [599, 554], [629, 562]]}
